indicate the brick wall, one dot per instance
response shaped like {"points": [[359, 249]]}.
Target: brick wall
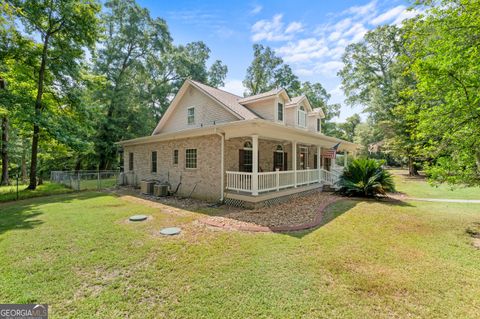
{"points": [[206, 175]]}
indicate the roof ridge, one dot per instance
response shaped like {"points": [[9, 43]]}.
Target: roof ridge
{"points": [[197, 82]]}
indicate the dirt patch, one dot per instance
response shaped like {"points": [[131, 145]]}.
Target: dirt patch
{"points": [[474, 231]]}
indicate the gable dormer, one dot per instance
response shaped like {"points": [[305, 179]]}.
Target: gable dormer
{"points": [[300, 114], [269, 105]]}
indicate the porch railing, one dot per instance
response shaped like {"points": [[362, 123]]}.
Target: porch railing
{"points": [[274, 181]]}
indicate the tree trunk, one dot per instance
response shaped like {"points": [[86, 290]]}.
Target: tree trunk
{"points": [[24, 164], [38, 113], [5, 180], [412, 170]]}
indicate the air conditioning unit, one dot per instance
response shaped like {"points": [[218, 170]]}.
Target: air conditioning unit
{"points": [[146, 187], [160, 190]]}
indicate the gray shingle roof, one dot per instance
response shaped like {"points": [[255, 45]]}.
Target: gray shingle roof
{"points": [[260, 96], [230, 100]]}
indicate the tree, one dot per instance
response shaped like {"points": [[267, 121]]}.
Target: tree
{"points": [[64, 29], [263, 71], [373, 77], [349, 126], [217, 73], [443, 55], [131, 37]]}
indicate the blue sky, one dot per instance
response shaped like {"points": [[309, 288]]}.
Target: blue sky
{"points": [[309, 35]]}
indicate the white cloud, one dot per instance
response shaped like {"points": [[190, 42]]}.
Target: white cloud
{"points": [[364, 10], [294, 27], [303, 50], [388, 16], [256, 9], [273, 30], [234, 86]]}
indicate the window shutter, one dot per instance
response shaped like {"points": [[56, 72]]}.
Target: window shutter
{"points": [[285, 163]]}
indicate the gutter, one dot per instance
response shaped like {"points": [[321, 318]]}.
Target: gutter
{"points": [[222, 168]]}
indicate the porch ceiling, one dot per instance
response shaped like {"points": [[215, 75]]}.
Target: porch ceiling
{"points": [[283, 133]]}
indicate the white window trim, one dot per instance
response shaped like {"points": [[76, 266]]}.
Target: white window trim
{"points": [[275, 112], [188, 115], [196, 159], [304, 115]]}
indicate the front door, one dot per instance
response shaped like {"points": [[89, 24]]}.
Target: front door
{"points": [[303, 158]]}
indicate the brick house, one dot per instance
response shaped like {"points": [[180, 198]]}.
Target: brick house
{"points": [[244, 149]]}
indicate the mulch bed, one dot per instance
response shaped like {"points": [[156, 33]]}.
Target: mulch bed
{"points": [[300, 213]]}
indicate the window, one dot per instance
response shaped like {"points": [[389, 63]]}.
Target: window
{"points": [[319, 125], [191, 158], [191, 115], [279, 159], [280, 112], [130, 161], [154, 161], [301, 117], [175, 157], [246, 157]]}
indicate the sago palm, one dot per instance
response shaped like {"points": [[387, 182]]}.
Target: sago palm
{"points": [[366, 178]]}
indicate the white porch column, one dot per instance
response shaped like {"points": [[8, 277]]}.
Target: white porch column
{"points": [[294, 162], [255, 165], [345, 158], [319, 162]]}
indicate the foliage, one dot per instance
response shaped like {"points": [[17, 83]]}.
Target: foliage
{"points": [[373, 76], [443, 55], [365, 177], [61, 30]]}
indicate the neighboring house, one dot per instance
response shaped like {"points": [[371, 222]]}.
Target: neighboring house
{"points": [[239, 149]]}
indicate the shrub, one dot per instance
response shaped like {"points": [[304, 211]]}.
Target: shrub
{"points": [[366, 178]]}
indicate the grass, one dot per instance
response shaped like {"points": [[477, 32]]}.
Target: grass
{"points": [[9, 193], [78, 253], [418, 187]]}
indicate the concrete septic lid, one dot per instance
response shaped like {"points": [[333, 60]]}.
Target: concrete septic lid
{"points": [[138, 218], [170, 231]]}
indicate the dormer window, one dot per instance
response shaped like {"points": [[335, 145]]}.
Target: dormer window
{"points": [[280, 112], [319, 125], [301, 116], [191, 115]]}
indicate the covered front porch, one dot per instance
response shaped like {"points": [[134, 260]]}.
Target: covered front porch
{"points": [[266, 167]]}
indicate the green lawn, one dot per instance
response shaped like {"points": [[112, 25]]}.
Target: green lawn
{"points": [[77, 253], [418, 187], [9, 193]]}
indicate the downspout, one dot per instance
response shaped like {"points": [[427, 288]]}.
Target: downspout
{"points": [[222, 175]]}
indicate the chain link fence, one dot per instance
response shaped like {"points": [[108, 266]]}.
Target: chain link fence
{"points": [[88, 180]]}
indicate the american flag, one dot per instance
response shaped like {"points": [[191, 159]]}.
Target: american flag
{"points": [[331, 153]]}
